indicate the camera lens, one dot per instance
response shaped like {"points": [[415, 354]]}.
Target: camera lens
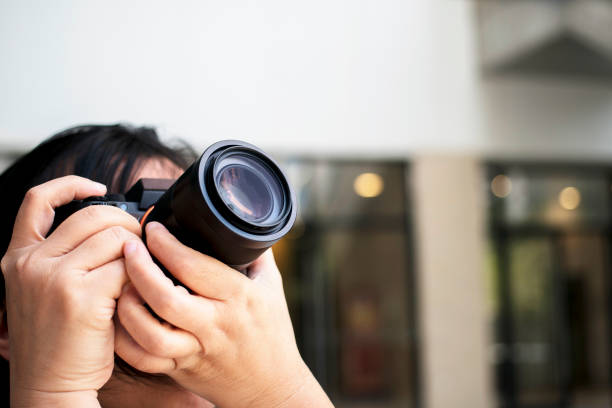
{"points": [[233, 203]]}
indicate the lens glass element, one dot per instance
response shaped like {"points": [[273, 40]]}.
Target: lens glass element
{"points": [[249, 188], [245, 193]]}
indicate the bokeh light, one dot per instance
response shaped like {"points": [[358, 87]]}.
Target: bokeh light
{"points": [[501, 186], [369, 185], [569, 198]]}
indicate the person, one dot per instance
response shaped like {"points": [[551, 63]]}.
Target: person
{"points": [[77, 327]]}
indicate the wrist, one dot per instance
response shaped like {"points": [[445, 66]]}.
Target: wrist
{"points": [[302, 391], [308, 394], [22, 398]]}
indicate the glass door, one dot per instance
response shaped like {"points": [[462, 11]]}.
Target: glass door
{"points": [[348, 275], [551, 275]]}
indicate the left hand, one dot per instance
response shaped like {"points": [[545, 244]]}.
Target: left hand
{"points": [[61, 294], [230, 340]]}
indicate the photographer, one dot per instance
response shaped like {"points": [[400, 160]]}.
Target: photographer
{"points": [[75, 329]]}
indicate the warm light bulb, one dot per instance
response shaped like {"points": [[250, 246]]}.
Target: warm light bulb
{"points": [[368, 185], [569, 198], [501, 186]]}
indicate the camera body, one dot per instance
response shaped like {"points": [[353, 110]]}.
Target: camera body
{"points": [[232, 203], [144, 194]]}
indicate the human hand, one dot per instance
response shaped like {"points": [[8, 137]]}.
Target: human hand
{"points": [[231, 339], [61, 294]]}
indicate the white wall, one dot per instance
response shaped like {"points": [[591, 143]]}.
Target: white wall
{"points": [[536, 119], [385, 77], [292, 75]]}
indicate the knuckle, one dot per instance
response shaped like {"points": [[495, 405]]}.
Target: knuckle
{"points": [[195, 363], [169, 306], [25, 262], [21, 262], [33, 195], [99, 213], [146, 365], [123, 310], [7, 263], [126, 306], [118, 233], [157, 345], [92, 213], [21, 268], [140, 363]]}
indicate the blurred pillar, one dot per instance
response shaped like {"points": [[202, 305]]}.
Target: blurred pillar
{"points": [[449, 216]]}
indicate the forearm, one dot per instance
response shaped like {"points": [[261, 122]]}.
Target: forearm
{"points": [[22, 398]]}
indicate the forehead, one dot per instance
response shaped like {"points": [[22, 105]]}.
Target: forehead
{"points": [[157, 168]]}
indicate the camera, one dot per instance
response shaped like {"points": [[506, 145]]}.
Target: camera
{"points": [[233, 203]]}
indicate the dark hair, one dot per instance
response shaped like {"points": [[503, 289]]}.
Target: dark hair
{"points": [[109, 154]]}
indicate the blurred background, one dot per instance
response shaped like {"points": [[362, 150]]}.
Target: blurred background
{"points": [[452, 158]]}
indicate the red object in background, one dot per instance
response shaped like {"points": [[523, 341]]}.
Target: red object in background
{"points": [[362, 353]]}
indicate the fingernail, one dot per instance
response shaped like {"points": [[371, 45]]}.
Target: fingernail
{"points": [[100, 186], [130, 247], [153, 225]]}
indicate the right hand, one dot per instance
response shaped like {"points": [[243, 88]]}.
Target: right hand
{"points": [[229, 339], [61, 293]]}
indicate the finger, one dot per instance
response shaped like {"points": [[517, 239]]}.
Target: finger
{"points": [[155, 337], [85, 223], [35, 216], [201, 273], [133, 354], [108, 279], [99, 249], [172, 303]]}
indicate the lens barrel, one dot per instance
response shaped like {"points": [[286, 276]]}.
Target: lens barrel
{"points": [[233, 203]]}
